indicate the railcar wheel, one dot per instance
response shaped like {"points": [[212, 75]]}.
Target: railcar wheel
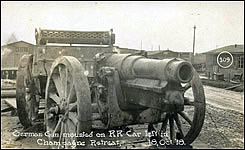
{"points": [[27, 98], [67, 99], [187, 123]]}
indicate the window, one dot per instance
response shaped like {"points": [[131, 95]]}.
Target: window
{"points": [[22, 49], [240, 61]]}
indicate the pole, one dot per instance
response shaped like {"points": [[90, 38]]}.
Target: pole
{"points": [[193, 52], [141, 44]]}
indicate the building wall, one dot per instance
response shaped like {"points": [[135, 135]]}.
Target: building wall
{"points": [[199, 59], [9, 74], [10, 57], [12, 53], [185, 55], [212, 66], [163, 55]]}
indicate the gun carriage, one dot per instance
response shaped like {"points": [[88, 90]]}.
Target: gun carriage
{"points": [[81, 88]]}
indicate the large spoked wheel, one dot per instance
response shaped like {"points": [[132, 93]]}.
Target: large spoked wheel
{"points": [[187, 124], [27, 98], [68, 103]]}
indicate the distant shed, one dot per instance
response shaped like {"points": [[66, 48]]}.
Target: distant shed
{"points": [[120, 50], [162, 54], [10, 57]]}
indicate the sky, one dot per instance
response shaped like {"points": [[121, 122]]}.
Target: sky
{"points": [[165, 24]]}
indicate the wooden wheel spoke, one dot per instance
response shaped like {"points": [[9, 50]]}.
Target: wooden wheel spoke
{"points": [[172, 129], [55, 97], [61, 133], [71, 95], [30, 114], [66, 81], [57, 126], [63, 71], [73, 107], [73, 117], [67, 139], [71, 129], [58, 84], [179, 125], [187, 86], [71, 125], [186, 117], [164, 124]]}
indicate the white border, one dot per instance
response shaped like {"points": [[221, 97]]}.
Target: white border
{"points": [[231, 59]]}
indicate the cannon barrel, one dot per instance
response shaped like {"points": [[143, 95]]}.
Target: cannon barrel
{"points": [[132, 66]]}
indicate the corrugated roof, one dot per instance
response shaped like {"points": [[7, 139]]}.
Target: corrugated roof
{"points": [[230, 48], [159, 52]]}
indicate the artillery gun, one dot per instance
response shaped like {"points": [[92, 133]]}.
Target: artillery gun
{"points": [[82, 88]]}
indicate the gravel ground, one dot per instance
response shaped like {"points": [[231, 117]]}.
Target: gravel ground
{"points": [[221, 129]]}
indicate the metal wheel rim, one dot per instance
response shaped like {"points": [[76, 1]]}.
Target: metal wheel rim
{"points": [[196, 123], [27, 102]]}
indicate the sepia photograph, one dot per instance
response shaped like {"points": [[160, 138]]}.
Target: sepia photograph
{"points": [[122, 75]]}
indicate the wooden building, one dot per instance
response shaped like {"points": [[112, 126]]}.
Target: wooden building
{"points": [[236, 69], [185, 55], [120, 50], [10, 57], [162, 54]]}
